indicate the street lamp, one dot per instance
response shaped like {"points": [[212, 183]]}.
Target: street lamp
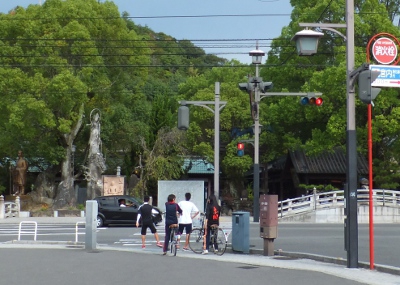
{"points": [[183, 124], [307, 41], [256, 58], [351, 224]]}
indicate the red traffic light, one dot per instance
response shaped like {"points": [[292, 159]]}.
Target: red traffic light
{"points": [[317, 101], [240, 146]]}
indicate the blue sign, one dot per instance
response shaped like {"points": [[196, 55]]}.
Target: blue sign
{"points": [[389, 76]]}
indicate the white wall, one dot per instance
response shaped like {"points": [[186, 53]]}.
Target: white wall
{"points": [[179, 188]]}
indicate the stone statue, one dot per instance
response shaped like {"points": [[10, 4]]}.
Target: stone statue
{"points": [[19, 174]]}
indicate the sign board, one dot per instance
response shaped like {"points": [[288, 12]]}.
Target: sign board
{"points": [[384, 50], [113, 185], [389, 75]]}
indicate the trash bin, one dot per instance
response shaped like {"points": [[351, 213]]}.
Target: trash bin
{"points": [[240, 231]]}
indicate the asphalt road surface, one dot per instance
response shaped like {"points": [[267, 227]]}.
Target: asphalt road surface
{"points": [[320, 239], [73, 266]]}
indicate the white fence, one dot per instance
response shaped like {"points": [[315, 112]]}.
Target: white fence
{"points": [[9, 209], [335, 199]]}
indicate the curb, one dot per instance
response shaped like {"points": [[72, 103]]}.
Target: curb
{"points": [[321, 258]]}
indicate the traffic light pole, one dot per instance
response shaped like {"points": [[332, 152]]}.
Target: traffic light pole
{"points": [[218, 105], [256, 167]]}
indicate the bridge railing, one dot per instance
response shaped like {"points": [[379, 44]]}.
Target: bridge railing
{"points": [[334, 199]]}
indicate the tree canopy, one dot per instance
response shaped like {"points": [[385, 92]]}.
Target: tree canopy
{"points": [[64, 59]]}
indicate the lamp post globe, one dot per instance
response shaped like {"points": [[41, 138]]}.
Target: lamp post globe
{"points": [[307, 41], [256, 56]]}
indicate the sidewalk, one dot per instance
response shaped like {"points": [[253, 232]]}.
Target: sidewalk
{"points": [[290, 268], [290, 262]]}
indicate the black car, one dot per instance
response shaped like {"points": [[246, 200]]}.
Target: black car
{"points": [[121, 209]]}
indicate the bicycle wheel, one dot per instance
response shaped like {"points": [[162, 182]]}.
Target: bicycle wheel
{"points": [[173, 248], [219, 242], [196, 240], [173, 242]]}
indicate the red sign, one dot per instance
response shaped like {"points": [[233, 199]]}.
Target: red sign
{"points": [[384, 50]]}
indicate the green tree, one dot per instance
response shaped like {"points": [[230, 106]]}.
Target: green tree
{"points": [[318, 129], [69, 58]]}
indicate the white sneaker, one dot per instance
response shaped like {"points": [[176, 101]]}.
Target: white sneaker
{"points": [[205, 251]]}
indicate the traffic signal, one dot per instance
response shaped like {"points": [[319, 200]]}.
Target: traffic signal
{"points": [[264, 86], [246, 86], [183, 117], [366, 93], [317, 101], [240, 149]]}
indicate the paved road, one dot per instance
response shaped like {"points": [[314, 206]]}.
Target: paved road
{"points": [[320, 239], [42, 265], [328, 240], [288, 266]]}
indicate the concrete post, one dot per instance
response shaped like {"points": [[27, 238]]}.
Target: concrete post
{"points": [[2, 207], [91, 226]]}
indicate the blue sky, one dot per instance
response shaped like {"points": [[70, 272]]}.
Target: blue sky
{"points": [[206, 28]]}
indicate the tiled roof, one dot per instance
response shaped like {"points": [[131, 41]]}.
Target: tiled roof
{"points": [[327, 162], [35, 165], [198, 166]]}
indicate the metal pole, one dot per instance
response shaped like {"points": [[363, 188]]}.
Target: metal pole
{"points": [[371, 202], [256, 168], [351, 145], [218, 105], [216, 142]]}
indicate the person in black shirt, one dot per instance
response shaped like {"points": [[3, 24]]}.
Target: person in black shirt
{"points": [[213, 211], [144, 212], [172, 209]]}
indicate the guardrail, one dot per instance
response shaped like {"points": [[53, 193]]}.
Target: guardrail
{"points": [[28, 230], [77, 230], [334, 199]]}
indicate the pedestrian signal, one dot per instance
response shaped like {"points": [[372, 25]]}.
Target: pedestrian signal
{"points": [[240, 149]]}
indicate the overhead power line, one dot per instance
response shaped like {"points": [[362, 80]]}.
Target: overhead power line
{"points": [[146, 17]]}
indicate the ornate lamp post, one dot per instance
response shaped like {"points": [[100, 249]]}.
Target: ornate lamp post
{"points": [[256, 58], [304, 39]]}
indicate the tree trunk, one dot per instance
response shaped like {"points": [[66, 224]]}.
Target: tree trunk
{"points": [[65, 191]]}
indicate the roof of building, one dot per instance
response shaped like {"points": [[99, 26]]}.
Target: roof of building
{"points": [[334, 161], [327, 162], [198, 166], [35, 165]]}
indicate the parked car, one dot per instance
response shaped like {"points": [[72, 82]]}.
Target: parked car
{"points": [[121, 209]]}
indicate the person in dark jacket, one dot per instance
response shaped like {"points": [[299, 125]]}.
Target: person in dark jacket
{"points": [[145, 213], [172, 209], [213, 211]]}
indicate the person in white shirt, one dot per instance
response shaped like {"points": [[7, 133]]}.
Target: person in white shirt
{"points": [[189, 212]]}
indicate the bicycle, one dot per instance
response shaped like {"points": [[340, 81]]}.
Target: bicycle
{"points": [[173, 238], [218, 239]]}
